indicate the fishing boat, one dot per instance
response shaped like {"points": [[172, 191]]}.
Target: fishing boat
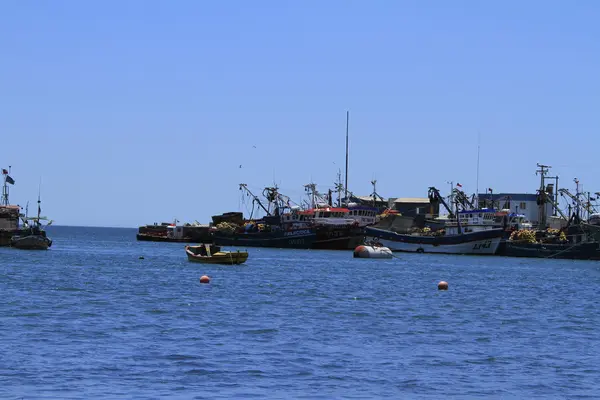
{"points": [[467, 234], [269, 231], [172, 232], [212, 254], [9, 213], [32, 236], [577, 251], [33, 239]]}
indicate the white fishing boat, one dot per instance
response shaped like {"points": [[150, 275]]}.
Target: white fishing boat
{"points": [[472, 232]]}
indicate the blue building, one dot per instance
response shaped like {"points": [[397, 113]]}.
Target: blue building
{"points": [[523, 203]]}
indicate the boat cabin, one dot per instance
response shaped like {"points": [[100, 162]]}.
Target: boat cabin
{"points": [[363, 215], [175, 232], [485, 219], [594, 219]]}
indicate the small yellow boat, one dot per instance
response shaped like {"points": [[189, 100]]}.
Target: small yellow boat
{"points": [[211, 254]]}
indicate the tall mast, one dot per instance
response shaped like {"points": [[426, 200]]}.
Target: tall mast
{"points": [[477, 180], [346, 184]]}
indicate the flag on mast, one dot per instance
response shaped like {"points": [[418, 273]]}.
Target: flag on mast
{"points": [[10, 180]]}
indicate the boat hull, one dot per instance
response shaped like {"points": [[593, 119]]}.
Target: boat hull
{"points": [[581, 251], [482, 243], [143, 237], [344, 238], [32, 242], [302, 239]]}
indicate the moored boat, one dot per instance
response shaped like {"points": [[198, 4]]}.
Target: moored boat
{"points": [[171, 232], [472, 232], [32, 235], [277, 238], [479, 242], [31, 241], [577, 251], [212, 254]]}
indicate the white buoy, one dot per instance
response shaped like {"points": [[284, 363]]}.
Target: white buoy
{"points": [[367, 251]]}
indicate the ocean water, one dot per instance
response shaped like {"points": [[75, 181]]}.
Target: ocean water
{"points": [[90, 319]]}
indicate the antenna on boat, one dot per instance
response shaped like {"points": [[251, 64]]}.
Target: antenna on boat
{"points": [[477, 180], [39, 202], [346, 184], [339, 187], [542, 196]]}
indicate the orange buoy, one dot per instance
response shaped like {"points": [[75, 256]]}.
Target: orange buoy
{"points": [[204, 279], [443, 285]]}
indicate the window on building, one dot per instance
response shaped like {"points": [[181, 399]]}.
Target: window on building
{"points": [[522, 206]]}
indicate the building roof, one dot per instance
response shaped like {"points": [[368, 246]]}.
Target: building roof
{"points": [[369, 198], [410, 200]]}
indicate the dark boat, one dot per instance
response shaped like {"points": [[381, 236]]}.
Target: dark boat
{"points": [[230, 229], [165, 232], [33, 239], [577, 251], [29, 235]]}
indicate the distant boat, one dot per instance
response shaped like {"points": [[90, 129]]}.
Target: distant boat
{"points": [[32, 236], [32, 240], [212, 254]]}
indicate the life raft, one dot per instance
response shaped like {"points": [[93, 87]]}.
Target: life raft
{"points": [[366, 251]]}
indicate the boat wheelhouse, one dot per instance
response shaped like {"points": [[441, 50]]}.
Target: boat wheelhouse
{"points": [[486, 219], [365, 216]]}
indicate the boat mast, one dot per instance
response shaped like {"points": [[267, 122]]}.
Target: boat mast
{"points": [[346, 184], [37, 221], [5, 187], [477, 180], [542, 196], [339, 187], [311, 190]]}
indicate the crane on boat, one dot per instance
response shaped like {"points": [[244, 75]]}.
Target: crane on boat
{"points": [[587, 205], [435, 197], [463, 199], [255, 199]]}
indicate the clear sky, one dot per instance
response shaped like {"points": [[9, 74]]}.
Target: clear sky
{"points": [[134, 112]]}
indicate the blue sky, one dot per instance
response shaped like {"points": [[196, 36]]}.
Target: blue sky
{"points": [[142, 111]]}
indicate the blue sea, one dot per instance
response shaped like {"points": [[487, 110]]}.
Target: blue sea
{"points": [[89, 319]]}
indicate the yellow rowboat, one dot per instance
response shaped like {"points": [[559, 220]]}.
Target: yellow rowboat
{"points": [[211, 254]]}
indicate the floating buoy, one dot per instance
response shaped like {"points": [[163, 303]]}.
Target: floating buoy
{"points": [[204, 279], [443, 285], [366, 251]]}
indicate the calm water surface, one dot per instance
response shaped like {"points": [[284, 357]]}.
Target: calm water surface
{"points": [[88, 318]]}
